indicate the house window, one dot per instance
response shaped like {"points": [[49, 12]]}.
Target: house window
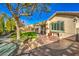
{"points": [[58, 26]]}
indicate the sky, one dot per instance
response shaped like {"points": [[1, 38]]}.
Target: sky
{"points": [[54, 7]]}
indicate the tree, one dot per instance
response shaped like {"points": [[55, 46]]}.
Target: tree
{"points": [[10, 25], [2, 23], [13, 25], [1, 27], [25, 9]]}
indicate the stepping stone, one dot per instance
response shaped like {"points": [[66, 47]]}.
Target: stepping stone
{"points": [[75, 45], [76, 54], [73, 48], [64, 55], [69, 51], [35, 53], [47, 50]]}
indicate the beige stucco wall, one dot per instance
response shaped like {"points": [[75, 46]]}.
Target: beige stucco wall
{"points": [[77, 26], [69, 25]]}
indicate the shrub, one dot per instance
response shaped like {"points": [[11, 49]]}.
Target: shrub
{"points": [[25, 36]]}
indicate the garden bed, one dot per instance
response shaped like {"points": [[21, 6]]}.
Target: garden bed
{"points": [[25, 36]]}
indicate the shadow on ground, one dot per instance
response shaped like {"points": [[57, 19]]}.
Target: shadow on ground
{"points": [[51, 49]]}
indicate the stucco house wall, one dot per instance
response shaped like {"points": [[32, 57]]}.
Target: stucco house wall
{"points": [[77, 26], [69, 25]]}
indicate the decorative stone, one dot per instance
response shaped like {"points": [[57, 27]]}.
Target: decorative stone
{"points": [[73, 48], [69, 51]]}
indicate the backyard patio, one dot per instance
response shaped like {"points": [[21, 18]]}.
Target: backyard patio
{"points": [[32, 29], [51, 47], [43, 46]]}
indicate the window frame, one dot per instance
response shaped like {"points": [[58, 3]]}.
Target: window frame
{"points": [[58, 28]]}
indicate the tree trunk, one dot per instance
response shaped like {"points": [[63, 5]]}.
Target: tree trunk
{"points": [[17, 31], [16, 18]]}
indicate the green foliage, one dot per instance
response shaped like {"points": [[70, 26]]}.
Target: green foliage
{"points": [[1, 30], [25, 36], [29, 33], [13, 24], [2, 25], [10, 25]]}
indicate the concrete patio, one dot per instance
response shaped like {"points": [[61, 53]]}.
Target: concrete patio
{"points": [[53, 47]]}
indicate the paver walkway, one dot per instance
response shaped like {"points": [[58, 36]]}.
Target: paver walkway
{"points": [[5, 37], [72, 51]]}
